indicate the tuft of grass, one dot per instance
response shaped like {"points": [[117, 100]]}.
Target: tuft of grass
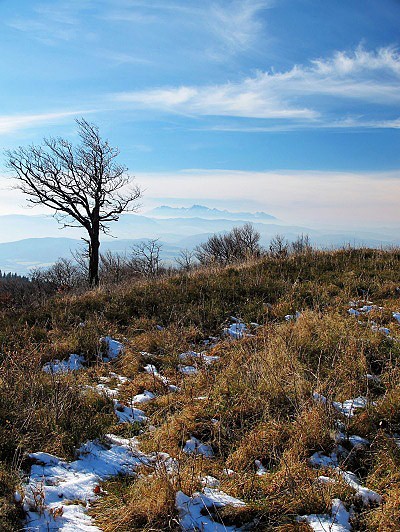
{"points": [[141, 503], [10, 512]]}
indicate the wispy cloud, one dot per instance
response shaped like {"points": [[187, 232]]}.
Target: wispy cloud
{"points": [[303, 92], [11, 123], [246, 99], [237, 24], [227, 27], [348, 123]]}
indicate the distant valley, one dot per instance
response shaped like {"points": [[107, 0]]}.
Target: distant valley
{"points": [[30, 241]]}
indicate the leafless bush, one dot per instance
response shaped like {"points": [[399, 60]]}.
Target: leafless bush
{"points": [[62, 275], [302, 244], [113, 267], [186, 259], [145, 258], [279, 246], [240, 243]]}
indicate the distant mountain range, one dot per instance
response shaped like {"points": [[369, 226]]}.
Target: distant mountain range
{"points": [[32, 241], [200, 211]]}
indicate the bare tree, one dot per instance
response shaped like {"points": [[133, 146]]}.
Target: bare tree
{"points": [[145, 258], [82, 184], [302, 244], [113, 266], [279, 246], [186, 259], [62, 275], [240, 243]]}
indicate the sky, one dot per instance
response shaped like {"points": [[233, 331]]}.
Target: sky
{"points": [[287, 106]]}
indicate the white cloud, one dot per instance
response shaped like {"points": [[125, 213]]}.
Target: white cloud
{"points": [[237, 24], [225, 28], [371, 77], [10, 123], [244, 99]]}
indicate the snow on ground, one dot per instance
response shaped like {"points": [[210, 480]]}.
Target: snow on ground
{"points": [[236, 329], [293, 317], [207, 359], [261, 470], [195, 446], [112, 347], [338, 521], [144, 397], [319, 459], [58, 492], [396, 316], [152, 370], [196, 512], [353, 312], [355, 441], [187, 370], [73, 363], [348, 408], [128, 414], [366, 495], [383, 330]]}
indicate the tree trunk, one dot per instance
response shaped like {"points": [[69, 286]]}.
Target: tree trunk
{"points": [[94, 258]]}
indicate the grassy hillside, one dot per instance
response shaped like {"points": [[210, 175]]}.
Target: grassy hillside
{"points": [[268, 405]]}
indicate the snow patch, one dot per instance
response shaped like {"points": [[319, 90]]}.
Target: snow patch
{"points": [[196, 512], [113, 348], [338, 521], [236, 329], [348, 408], [195, 446], [127, 414], [187, 370], [73, 363], [293, 317], [365, 494], [58, 493], [152, 370]]}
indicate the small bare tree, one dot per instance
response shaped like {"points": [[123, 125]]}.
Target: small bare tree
{"points": [[302, 244], [82, 184], [186, 259], [145, 258], [62, 275], [239, 244], [279, 246], [113, 267]]}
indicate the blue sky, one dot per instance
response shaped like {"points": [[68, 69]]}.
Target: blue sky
{"points": [[292, 106]]}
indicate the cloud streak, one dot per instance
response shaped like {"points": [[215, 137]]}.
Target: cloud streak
{"points": [[305, 92], [12, 123]]}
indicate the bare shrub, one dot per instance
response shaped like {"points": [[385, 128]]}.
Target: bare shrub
{"points": [[302, 244], [62, 275], [279, 246], [241, 243], [186, 259], [145, 258]]}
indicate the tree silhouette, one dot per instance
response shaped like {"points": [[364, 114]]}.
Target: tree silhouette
{"points": [[82, 184]]}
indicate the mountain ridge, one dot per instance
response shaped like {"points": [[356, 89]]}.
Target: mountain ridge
{"points": [[202, 211]]}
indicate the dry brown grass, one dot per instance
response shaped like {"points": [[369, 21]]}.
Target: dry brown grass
{"points": [[258, 402], [145, 503]]}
